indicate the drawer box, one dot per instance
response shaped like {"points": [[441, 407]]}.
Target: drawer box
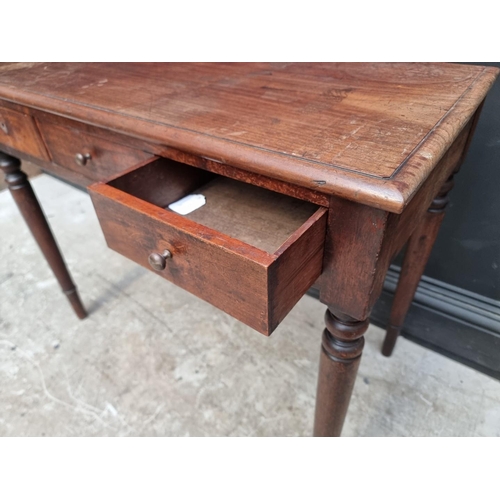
{"points": [[251, 252], [95, 158], [18, 133]]}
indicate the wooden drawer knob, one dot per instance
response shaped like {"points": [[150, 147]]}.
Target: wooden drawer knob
{"points": [[82, 159], [158, 261]]}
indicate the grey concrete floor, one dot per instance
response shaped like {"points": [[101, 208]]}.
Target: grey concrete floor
{"points": [[153, 360]]}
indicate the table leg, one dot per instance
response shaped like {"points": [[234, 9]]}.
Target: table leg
{"points": [[28, 205], [341, 349], [417, 254]]}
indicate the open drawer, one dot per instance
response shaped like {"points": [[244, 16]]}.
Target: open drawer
{"points": [[251, 252]]}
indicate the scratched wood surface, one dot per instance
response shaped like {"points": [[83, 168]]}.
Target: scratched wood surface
{"points": [[257, 216], [368, 132]]}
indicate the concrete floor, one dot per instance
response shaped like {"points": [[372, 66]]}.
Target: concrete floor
{"points": [[152, 360]]}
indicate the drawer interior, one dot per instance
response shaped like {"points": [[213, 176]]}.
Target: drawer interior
{"points": [[259, 217]]}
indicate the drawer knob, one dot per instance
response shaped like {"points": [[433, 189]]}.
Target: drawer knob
{"points": [[158, 261], [82, 159]]}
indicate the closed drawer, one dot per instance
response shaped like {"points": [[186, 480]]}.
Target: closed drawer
{"points": [[251, 252], [87, 154], [18, 133]]}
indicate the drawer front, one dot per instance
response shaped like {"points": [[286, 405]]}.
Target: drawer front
{"points": [[18, 132], [252, 285], [89, 155]]}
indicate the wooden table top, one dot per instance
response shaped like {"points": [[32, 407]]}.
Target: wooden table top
{"points": [[369, 132]]}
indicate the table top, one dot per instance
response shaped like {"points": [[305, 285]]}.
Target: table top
{"points": [[369, 132]]}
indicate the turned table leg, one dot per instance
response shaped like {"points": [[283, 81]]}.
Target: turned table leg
{"points": [[341, 349], [30, 209], [417, 254]]}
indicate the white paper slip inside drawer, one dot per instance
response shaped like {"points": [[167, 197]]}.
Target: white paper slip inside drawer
{"points": [[188, 204]]}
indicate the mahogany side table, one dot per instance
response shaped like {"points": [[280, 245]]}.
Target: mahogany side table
{"points": [[313, 174]]}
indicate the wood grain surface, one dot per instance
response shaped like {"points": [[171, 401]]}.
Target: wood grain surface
{"points": [[368, 132], [259, 217], [361, 241]]}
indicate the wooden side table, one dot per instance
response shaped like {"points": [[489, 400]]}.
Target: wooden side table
{"points": [[313, 174]]}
